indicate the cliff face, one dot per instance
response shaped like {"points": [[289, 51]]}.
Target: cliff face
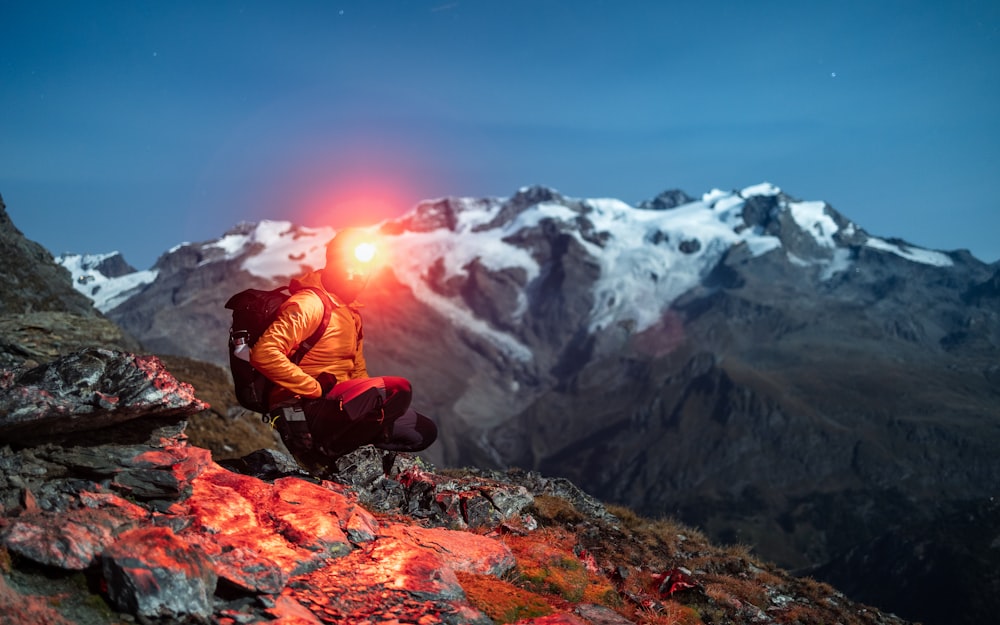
{"points": [[41, 314], [105, 506], [31, 281]]}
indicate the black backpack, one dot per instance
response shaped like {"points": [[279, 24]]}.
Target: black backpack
{"points": [[253, 312]]}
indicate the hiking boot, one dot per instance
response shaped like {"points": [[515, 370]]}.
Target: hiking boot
{"points": [[388, 460]]}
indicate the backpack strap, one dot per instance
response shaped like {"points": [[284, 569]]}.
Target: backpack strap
{"points": [[294, 428], [310, 342]]}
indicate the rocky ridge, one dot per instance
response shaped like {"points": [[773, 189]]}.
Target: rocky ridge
{"points": [[125, 520]]}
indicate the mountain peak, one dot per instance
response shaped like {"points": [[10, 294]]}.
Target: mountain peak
{"points": [[763, 188], [106, 279], [535, 194], [671, 198], [110, 265], [31, 280], [431, 215]]}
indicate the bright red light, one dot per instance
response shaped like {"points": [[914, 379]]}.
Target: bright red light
{"points": [[364, 252], [357, 203]]}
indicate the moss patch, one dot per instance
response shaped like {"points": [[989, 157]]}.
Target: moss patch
{"points": [[502, 601], [547, 562]]}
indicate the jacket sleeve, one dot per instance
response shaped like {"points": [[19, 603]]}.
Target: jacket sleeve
{"points": [[298, 318], [360, 366], [360, 369]]}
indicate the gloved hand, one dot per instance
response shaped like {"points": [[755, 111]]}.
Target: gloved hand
{"points": [[326, 382]]}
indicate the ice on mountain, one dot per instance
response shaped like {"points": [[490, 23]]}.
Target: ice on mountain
{"points": [[104, 291], [114, 291], [531, 218], [812, 218], [475, 212], [417, 252], [764, 188], [760, 245], [639, 279], [285, 249], [727, 204], [710, 198], [841, 262], [917, 255], [231, 244]]}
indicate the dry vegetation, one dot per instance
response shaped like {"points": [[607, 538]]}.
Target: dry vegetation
{"points": [[225, 428], [656, 572]]}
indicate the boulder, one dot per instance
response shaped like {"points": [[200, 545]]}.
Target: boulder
{"points": [[151, 572], [89, 390]]}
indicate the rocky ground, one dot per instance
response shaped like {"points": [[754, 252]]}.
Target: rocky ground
{"points": [[128, 521]]}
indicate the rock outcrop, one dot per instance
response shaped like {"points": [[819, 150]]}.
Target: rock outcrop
{"points": [[33, 338], [88, 390], [41, 315]]}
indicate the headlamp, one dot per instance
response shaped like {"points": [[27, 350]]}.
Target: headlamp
{"points": [[364, 252]]}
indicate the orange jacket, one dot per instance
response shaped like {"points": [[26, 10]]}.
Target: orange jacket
{"points": [[339, 352]]}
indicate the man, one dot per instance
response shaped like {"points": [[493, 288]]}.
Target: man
{"points": [[327, 405]]}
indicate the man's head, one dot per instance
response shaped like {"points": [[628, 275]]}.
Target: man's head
{"points": [[348, 263]]}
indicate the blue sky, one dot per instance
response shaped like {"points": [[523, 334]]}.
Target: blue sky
{"points": [[137, 125]]}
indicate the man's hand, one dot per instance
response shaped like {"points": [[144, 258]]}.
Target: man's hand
{"points": [[326, 382]]}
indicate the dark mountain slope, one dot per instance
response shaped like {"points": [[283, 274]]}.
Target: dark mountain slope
{"points": [[41, 315], [31, 280]]}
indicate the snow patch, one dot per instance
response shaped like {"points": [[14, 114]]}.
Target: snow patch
{"points": [[231, 244], [475, 212], [841, 262], [531, 217], [640, 278], [106, 293], [713, 195], [915, 254], [415, 253], [764, 188], [117, 290], [285, 250], [812, 218], [759, 246]]}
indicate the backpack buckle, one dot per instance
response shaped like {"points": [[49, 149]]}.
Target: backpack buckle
{"points": [[293, 413]]}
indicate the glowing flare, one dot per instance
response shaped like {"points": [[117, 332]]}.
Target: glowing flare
{"points": [[364, 252]]}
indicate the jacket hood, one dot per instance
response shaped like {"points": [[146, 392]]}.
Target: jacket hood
{"points": [[314, 279]]}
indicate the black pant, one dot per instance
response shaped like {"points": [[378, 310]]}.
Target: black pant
{"points": [[369, 411]]}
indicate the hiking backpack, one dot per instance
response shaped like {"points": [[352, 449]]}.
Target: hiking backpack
{"points": [[253, 312]]}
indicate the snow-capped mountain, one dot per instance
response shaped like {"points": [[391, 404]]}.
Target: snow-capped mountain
{"points": [[756, 364], [106, 279], [646, 258]]}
